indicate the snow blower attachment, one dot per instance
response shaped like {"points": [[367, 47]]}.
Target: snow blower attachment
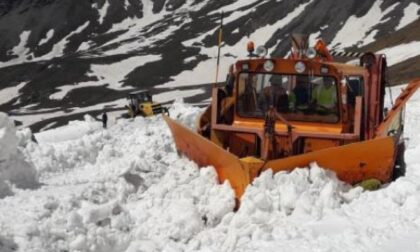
{"points": [[283, 113]]}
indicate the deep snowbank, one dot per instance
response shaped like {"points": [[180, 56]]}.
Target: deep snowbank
{"points": [[13, 167], [126, 189]]}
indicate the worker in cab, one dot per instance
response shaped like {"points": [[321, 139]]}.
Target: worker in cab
{"points": [[324, 96], [274, 95], [249, 97], [299, 97]]}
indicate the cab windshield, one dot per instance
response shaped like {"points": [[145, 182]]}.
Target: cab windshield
{"points": [[295, 97]]}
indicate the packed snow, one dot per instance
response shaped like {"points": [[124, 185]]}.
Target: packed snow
{"points": [[124, 188], [15, 170]]}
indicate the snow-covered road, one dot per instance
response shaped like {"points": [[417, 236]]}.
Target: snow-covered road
{"points": [[125, 189]]}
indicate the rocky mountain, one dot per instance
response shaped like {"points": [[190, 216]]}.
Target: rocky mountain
{"points": [[60, 59]]}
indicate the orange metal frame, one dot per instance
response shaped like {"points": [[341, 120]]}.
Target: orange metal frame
{"points": [[361, 145]]}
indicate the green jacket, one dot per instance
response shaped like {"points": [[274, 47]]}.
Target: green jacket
{"points": [[325, 97]]}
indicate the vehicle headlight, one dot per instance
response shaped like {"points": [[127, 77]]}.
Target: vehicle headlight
{"points": [[300, 67], [261, 51], [268, 65], [311, 53]]}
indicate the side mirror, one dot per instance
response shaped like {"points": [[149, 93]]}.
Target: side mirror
{"points": [[230, 82]]}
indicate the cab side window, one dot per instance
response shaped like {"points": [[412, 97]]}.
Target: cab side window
{"points": [[355, 88]]}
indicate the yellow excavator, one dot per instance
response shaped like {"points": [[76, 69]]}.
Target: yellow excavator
{"points": [[141, 103]]}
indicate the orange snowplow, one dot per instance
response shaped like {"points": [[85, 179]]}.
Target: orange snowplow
{"points": [[284, 113]]}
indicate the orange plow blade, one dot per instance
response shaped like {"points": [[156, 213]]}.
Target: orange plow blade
{"points": [[205, 153], [352, 163]]}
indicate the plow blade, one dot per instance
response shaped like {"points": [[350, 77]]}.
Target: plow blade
{"points": [[352, 163], [205, 153]]}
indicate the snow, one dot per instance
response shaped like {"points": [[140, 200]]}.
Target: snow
{"points": [[136, 28], [401, 52], [8, 94], [200, 74], [84, 188], [410, 15], [234, 6], [103, 11], [111, 75], [171, 95], [126, 189], [74, 130], [57, 51], [14, 169], [313, 38], [235, 15], [19, 50], [27, 118], [363, 35], [190, 59], [50, 34], [84, 46]]}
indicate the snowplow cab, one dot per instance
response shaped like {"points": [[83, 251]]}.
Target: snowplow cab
{"points": [[284, 113], [141, 103]]}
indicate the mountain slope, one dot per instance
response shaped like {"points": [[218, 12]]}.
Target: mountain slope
{"points": [[69, 57]]}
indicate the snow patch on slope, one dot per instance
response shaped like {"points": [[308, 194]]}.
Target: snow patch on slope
{"points": [[103, 11], [111, 75], [200, 74], [58, 49], [358, 30], [401, 52], [7, 94], [50, 34], [410, 15], [171, 95], [19, 50]]}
